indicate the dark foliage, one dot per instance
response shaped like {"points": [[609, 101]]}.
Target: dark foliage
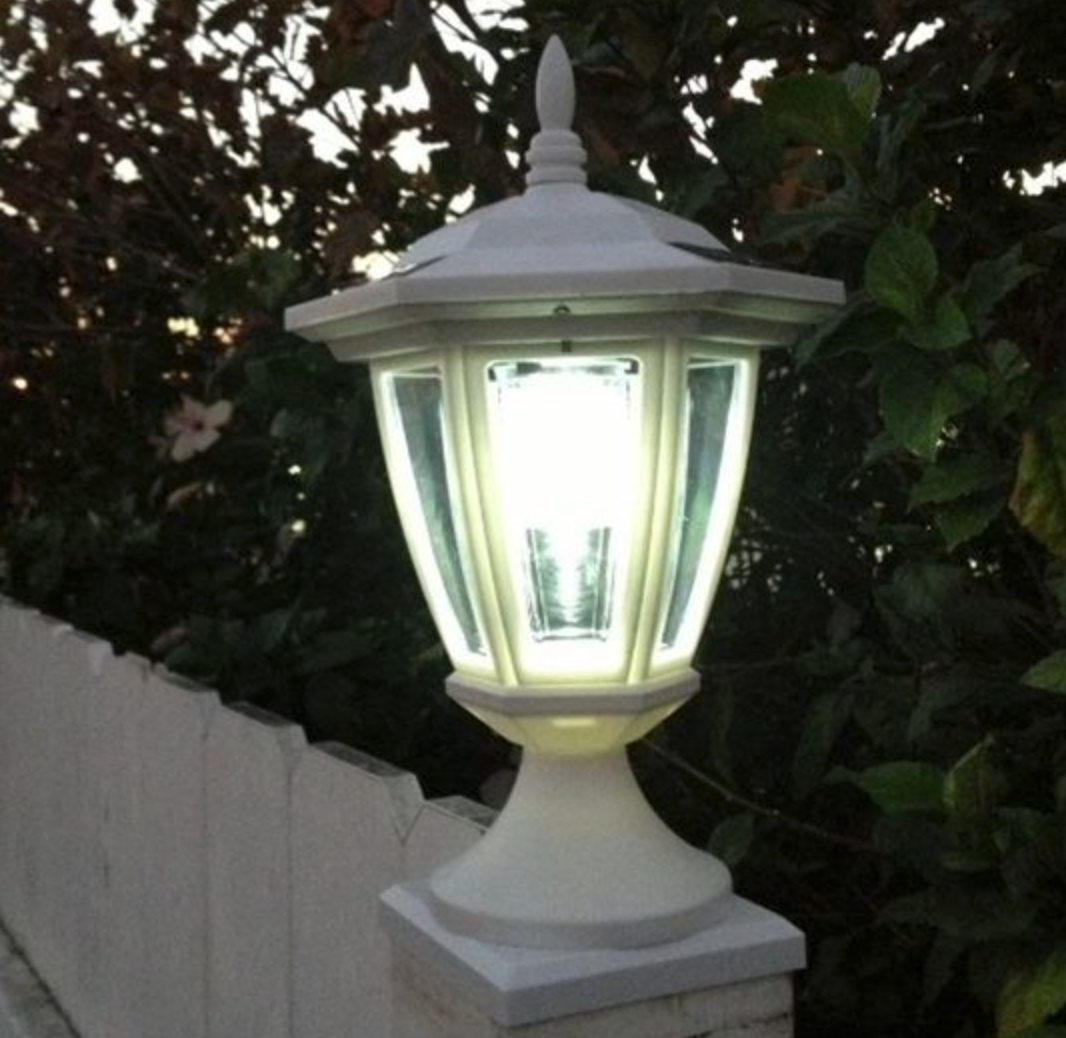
{"points": [[880, 749]]}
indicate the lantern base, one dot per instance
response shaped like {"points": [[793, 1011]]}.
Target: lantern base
{"points": [[578, 859]]}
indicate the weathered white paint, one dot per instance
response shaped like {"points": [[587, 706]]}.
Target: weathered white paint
{"points": [[174, 868]]}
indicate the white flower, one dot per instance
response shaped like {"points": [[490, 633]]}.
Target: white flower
{"points": [[194, 426]]}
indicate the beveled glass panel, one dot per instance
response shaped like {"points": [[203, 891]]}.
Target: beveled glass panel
{"points": [[708, 398], [416, 398], [564, 431]]}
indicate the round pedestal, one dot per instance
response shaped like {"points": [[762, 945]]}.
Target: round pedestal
{"points": [[578, 859]]}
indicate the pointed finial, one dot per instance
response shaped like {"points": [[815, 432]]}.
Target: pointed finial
{"points": [[555, 87], [555, 155]]}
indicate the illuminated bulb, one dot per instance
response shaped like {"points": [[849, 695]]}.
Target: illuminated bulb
{"points": [[567, 431], [20, 383]]}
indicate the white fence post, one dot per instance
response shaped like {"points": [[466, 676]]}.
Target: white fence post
{"points": [[250, 760]]}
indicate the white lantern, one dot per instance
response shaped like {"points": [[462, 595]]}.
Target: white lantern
{"points": [[565, 384]]}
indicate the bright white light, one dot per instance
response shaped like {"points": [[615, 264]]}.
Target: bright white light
{"points": [[19, 383], [294, 470], [374, 265], [186, 326], [1050, 176], [754, 69], [917, 37], [565, 439]]}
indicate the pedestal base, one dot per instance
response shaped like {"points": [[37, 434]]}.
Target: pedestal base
{"points": [[578, 859], [733, 975]]}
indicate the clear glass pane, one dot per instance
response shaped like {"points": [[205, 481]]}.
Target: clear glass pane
{"points": [[418, 401], [708, 398], [565, 435]]}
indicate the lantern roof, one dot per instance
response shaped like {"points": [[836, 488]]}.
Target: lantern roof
{"points": [[561, 261]]}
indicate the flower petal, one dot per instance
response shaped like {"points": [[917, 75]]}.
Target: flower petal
{"points": [[182, 449], [219, 413], [202, 439]]}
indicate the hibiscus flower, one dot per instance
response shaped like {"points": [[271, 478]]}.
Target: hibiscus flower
{"points": [[194, 427]]}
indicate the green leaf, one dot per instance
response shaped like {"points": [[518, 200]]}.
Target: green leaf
{"points": [[1031, 995], [965, 911], [864, 88], [922, 216], [747, 143], [972, 786], [918, 397], [967, 489], [901, 271], [731, 838], [818, 109], [1039, 497], [840, 209], [824, 722], [1049, 675], [903, 785], [991, 280], [962, 521], [854, 329], [957, 477], [944, 329]]}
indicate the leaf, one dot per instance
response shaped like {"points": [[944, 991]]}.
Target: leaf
{"points": [[856, 328], [1031, 995], [991, 280], [964, 910], [731, 838], [747, 143], [901, 271], [864, 88], [973, 786], [1039, 497], [944, 329], [962, 521], [957, 477], [903, 785], [824, 722], [787, 225], [385, 56], [1049, 675], [917, 399], [817, 109]]}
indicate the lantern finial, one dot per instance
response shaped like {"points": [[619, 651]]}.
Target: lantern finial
{"points": [[555, 155], [555, 87]]}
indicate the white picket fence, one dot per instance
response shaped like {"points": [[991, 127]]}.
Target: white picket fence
{"points": [[176, 868]]}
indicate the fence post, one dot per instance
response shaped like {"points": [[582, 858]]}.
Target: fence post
{"points": [[731, 980]]}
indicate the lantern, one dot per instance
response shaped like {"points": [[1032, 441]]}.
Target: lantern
{"points": [[565, 385]]}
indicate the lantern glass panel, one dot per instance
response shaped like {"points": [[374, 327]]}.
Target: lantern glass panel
{"points": [[566, 432], [716, 424], [414, 415], [708, 399]]}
